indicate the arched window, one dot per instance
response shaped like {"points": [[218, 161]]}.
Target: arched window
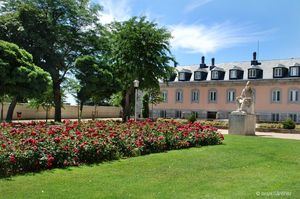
{"points": [[231, 95], [215, 74], [276, 95], [195, 96], [212, 96], [294, 95], [252, 73], [164, 95], [179, 96], [233, 74]]}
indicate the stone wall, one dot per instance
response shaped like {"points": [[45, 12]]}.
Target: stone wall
{"points": [[68, 112]]}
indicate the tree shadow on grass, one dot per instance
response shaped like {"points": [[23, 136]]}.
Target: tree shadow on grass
{"points": [[53, 170], [31, 173], [93, 164]]}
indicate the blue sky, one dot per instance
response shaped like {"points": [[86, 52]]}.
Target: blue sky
{"points": [[228, 30]]}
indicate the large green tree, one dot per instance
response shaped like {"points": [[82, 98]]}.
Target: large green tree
{"points": [[20, 78], [140, 50], [55, 32], [95, 78]]}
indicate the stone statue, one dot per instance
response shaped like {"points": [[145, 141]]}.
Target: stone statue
{"points": [[245, 102], [243, 120]]}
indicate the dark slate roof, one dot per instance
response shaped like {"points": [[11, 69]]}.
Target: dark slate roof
{"points": [[256, 67], [281, 66], [218, 69], [266, 65], [202, 70], [296, 64], [183, 70], [237, 68]]}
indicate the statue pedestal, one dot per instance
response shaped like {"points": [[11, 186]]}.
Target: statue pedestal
{"points": [[241, 123]]}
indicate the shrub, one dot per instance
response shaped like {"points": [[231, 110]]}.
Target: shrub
{"points": [[271, 125], [26, 147], [288, 124], [182, 121], [192, 118], [218, 123]]}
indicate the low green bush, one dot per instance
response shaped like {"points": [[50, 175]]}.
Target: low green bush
{"points": [[192, 118], [288, 124], [270, 125], [217, 123], [182, 121]]}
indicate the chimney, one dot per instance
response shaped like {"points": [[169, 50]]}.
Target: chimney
{"points": [[212, 64], [254, 56], [203, 65], [254, 62]]}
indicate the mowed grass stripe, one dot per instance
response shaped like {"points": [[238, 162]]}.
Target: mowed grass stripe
{"points": [[239, 168]]}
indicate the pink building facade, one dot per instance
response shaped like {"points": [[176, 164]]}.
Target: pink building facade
{"points": [[210, 91]]}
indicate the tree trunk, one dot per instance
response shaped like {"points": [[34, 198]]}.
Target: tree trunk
{"points": [[11, 109], [78, 111], [47, 113], [123, 114], [2, 106], [81, 109], [96, 113], [126, 104], [57, 101]]}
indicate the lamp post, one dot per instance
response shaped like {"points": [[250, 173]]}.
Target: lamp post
{"points": [[151, 101], [136, 85]]}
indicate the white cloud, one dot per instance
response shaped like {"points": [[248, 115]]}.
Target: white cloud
{"points": [[114, 10], [152, 16], [120, 10], [209, 39], [195, 38], [195, 4]]}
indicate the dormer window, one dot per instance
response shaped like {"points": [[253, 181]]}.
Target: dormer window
{"points": [[255, 72], [294, 71], [184, 75], [252, 73], [200, 74], [280, 71], [181, 76], [236, 73], [215, 75], [197, 75], [233, 74], [277, 72]]}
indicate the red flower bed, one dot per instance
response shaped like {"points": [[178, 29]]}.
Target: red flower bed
{"points": [[35, 146]]}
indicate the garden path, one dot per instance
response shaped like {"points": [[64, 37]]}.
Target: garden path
{"points": [[270, 134]]}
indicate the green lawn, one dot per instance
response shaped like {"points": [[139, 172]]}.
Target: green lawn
{"points": [[240, 168]]}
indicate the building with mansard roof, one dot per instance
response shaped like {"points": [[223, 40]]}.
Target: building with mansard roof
{"points": [[209, 90]]}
